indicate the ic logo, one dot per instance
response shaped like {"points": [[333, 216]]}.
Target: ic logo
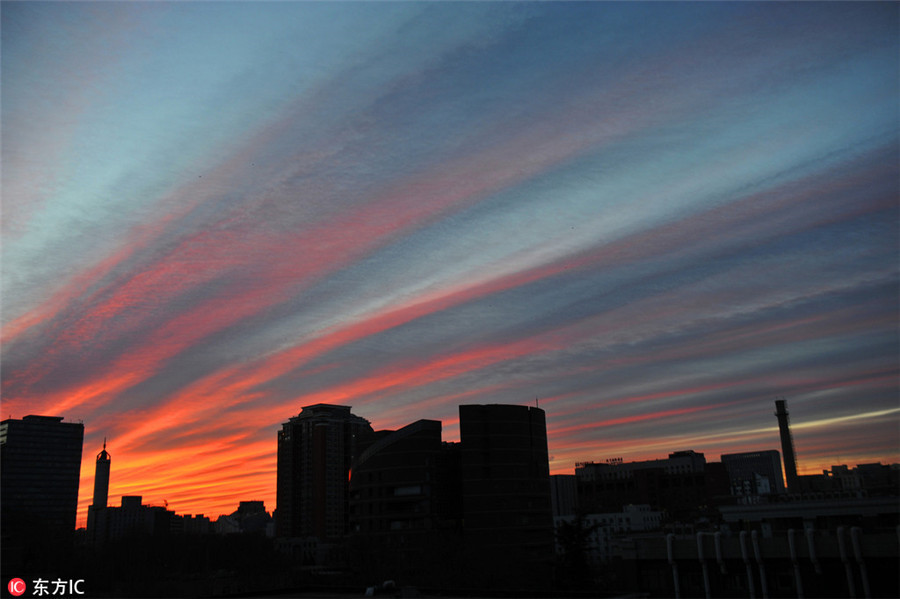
{"points": [[16, 587]]}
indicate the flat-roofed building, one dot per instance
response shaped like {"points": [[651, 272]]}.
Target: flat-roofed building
{"points": [[506, 495], [746, 469], [40, 470], [315, 451], [404, 507]]}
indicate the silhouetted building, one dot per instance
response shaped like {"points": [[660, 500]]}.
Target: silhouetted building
{"points": [[133, 518], [506, 495], [563, 495], [404, 519], [40, 468], [196, 524], [473, 514], [250, 517], [878, 478], [865, 480], [315, 453], [682, 485], [787, 445], [101, 495], [754, 473]]}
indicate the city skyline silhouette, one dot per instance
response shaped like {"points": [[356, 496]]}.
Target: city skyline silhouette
{"points": [[482, 515]]}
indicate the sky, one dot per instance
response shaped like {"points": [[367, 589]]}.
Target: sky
{"points": [[650, 219]]}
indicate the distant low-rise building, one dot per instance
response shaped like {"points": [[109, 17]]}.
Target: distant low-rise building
{"points": [[864, 480], [603, 530], [680, 485], [754, 473], [132, 518]]}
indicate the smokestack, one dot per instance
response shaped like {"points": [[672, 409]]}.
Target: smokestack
{"points": [[787, 446]]}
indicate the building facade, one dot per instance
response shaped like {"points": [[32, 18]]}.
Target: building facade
{"points": [[315, 452], [472, 514], [603, 531], [404, 512], [40, 469], [754, 473], [681, 485], [506, 495], [563, 495]]}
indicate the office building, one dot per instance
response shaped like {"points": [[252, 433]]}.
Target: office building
{"points": [[506, 495], [405, 514], [315, 452], [40, 468], [133, 518], [680, 485]]}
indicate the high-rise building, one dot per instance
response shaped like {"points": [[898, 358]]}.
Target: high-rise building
{"points": [[40, 468], [101, 479], [315, 452], [96, 522], [404, 505], [506, 495], [787, 446]]}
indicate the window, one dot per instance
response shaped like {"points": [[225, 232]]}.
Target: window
{"points": [[407, 491]]}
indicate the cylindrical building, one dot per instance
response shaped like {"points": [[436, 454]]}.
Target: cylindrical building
{"points": [[508, 519]]}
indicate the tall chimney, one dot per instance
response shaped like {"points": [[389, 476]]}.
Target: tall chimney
{"points": [[787, 446]]}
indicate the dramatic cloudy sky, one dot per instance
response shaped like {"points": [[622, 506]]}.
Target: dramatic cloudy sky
{"points": [[654, 218]]}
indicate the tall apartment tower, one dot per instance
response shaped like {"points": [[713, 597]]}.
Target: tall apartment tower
{"points": [[315, 452], [787, 446], [506, 495], [40, 468]]}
